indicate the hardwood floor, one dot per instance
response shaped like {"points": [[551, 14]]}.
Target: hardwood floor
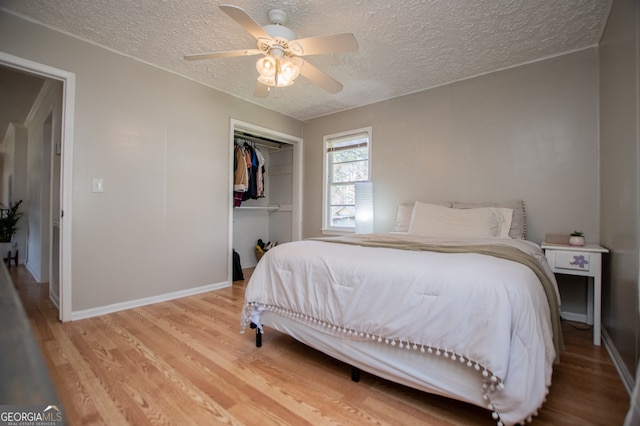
{"points": [[185, 362]]}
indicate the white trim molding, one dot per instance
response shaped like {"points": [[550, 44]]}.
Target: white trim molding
{"points": [[68, 112], [296, 202], [130, 304], [626, 376]]}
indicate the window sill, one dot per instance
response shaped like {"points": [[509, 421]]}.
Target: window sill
{"points": [[338, 232]]}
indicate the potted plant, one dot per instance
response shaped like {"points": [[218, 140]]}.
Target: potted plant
{"points": [[576, 238], [8, 226]]}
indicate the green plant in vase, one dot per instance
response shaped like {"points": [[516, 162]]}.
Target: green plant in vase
{"points": [[9, 219], [576, 238], [9, 222]]}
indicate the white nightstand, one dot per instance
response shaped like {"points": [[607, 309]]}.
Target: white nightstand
{"points": [[584, 261]]}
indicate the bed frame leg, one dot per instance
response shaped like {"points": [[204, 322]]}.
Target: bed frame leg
{"points": [[355, 374], [258, 335]]}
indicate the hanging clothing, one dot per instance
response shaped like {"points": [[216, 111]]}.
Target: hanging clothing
{"points": [[260, 173], [249, 170], [240, 175], [255, 171]]}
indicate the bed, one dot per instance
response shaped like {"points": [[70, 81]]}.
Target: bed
{"points": [[454, 302]]}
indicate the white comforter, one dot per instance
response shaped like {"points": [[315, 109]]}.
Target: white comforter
{"points": [[488, 312]]}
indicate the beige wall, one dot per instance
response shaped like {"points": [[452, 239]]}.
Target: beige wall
{"points": [[161, 144], [620, 171], [529, 132]]}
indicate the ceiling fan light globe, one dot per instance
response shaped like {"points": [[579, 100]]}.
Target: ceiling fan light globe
{"points": [[284, 83], [288, 71], [266, 66], [271, 81], [268, 81]]}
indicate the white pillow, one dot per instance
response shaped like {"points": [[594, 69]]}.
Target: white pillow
{"points": [[403, 217], [507, 218], [404, 213], [444, 222], [519, 219]]}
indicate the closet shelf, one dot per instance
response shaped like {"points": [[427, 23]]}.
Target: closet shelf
{"points": [[257, 208], [282, 208]]}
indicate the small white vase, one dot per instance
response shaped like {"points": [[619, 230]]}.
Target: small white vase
{"points": [[576, 241]]}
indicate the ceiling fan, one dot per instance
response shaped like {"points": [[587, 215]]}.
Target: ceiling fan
{"points": [[282, 61]]}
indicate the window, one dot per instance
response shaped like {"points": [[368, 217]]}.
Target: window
{"points": [[347, 161]]}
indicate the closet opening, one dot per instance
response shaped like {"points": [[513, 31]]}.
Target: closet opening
{"points": [[266, 201]]}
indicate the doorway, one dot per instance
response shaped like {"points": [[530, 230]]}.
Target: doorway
{"points": [[60, 270]]}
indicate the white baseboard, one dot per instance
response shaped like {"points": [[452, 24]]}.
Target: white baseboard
{"points": [[571, 316], [55, 300], [627, 378], [116, 307], [34, 273]]}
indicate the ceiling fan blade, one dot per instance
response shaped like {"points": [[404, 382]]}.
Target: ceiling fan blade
{"points": [[227, 54], [246, 21], [261, 90], [320, 78], [345, 42]]}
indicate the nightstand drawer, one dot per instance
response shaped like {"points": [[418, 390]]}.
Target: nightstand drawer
{"points": [[575, 260]]}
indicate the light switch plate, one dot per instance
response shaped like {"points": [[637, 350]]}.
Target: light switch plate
{"points": [[98, 185]]}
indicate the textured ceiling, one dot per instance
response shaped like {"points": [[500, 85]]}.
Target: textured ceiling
{"points": [[405, 45]]}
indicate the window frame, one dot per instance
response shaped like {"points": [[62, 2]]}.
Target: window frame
{"points": [[327, 228]]}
